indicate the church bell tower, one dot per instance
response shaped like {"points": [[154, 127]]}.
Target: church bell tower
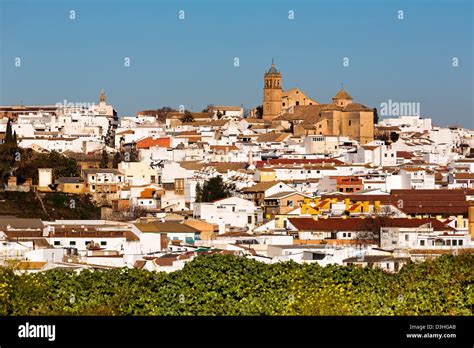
{"points": [[272, 93]]}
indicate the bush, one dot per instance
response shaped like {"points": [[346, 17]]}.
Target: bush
{"points": [[227, 285]]}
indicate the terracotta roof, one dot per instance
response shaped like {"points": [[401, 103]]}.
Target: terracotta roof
{"points": [[465, 176], [139, 264], [128, 131], [150, 142], [434, 202], [70, 180], [165, 227], [211, 123], [225, 148], [196, 115], [260, 187], [405, 154], [277, 161], [284, 194], [102, 170], [359, 224], [225, 108], [20, 224], [148, 192], [331, 107], [272, 137], [301, 112], [370, 147], [356, 107], [342, 94]]}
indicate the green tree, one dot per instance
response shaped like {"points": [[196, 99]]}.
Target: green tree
{"points": [[134, 154], [62, 166], [394, 137], [9, 156], [198, 193], [208, 108], [9, 133], [259, 111], [104, 160], [214, 189], [187, 117], [116, 160], [219, 115], [376, 116]]}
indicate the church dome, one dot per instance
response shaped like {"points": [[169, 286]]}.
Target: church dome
{"points": [[272, 69]]}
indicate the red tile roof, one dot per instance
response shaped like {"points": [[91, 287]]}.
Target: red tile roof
{"points": [[404, 154], [411, 201], [278, 161], [150, 142], [358, 224]]}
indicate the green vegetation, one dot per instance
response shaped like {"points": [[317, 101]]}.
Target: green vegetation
{"points": [[24, 164], [227, 285], [104, 159], [212, 190], [57, 205], [187, 117]]}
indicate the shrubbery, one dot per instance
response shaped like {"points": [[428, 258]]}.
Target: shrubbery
{"points": [[227, 285]]}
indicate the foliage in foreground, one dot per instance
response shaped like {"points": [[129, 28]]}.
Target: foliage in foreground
{"points": [[227, 285]]}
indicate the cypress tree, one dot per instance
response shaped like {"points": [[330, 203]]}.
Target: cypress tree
{"points": [[9, 133]]}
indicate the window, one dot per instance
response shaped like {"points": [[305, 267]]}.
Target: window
{"points": [[77, 186], [103, 242], [283, 104], [297, 103], [249, 219], [179, 186], [93, 177], [290, 203], [455, 242], [350, 122], [152, 178], [72, 243], [344, 235], [422, 243], [57, 242], [407, 237], [349, 235], [460, 242]]}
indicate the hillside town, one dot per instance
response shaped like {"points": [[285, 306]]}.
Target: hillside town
{"points": [[296, 178]]}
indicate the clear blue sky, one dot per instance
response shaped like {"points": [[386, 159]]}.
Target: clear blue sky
{"points": [[191, 61]]}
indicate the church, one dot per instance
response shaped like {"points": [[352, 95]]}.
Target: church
{"points": [[342, 117]]}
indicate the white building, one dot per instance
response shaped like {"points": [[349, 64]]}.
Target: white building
{"points": [[229, 212]]}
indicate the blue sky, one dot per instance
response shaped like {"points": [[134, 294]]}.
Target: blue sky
{"points": [[190, 62]]}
